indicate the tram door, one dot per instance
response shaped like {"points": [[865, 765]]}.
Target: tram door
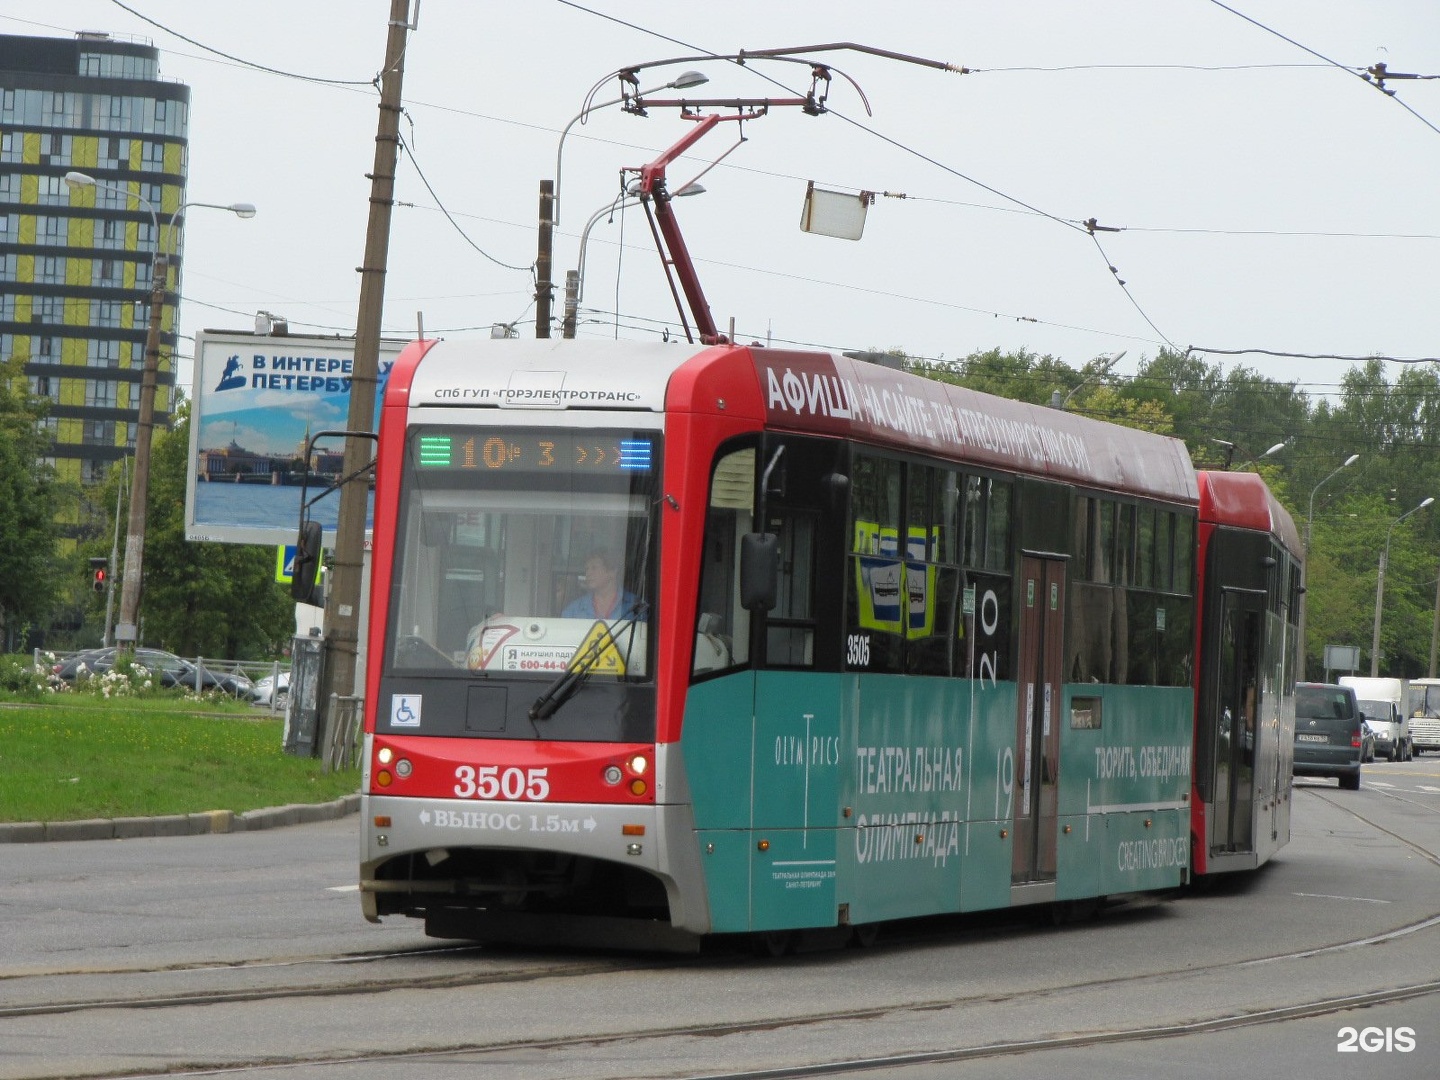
{"points": [[1238, 701], [1037, 723]]}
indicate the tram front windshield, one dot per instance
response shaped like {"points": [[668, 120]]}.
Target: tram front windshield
{"points": [[522, 554]]}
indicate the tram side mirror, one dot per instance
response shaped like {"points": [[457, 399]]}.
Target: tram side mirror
{"points": [[759, 571], [836, 486], [308, 550]]}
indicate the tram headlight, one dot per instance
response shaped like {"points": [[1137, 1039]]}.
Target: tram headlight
{"points": [[638, 764], [385, 755]]}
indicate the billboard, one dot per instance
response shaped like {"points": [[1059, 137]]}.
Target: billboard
{"points": [[256, 401]]}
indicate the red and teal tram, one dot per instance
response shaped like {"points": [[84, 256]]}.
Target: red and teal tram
{"points": [[669, 641], [1250, 571]]}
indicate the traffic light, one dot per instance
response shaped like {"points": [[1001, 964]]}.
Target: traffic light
{"points": [[99, 574]]}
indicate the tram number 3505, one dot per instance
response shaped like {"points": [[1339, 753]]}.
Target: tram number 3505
{"points": [[493, 782]]}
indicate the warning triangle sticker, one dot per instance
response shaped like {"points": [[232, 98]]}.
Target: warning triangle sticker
{"points": [[597, 653]]}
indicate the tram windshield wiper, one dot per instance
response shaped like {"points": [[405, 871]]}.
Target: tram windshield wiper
{"points": [[583, 664]]}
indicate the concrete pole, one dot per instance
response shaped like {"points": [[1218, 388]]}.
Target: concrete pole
{"points": [[1434, 630], [1379, 601], [127, 627], [342, 612], [544, 287]]}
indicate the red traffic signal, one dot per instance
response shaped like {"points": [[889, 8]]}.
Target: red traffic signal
{"points": [[99, 574], [99, 582]]}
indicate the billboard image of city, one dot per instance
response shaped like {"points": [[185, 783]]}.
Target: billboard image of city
{"points": [[256, 403]]}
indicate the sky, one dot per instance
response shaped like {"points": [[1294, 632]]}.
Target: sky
{"points": [[1262, 194]]}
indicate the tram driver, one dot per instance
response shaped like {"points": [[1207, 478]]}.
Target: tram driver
{"points": [[604, 596]]}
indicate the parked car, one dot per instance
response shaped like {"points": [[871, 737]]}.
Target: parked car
{"points": [[171, 670], [1329, 733], [1369, 740], [268, 687], [68, 669], [166, 666]]}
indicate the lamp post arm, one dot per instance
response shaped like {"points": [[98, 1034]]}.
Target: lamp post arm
{"points": [[1310, 516], [560, 152]]}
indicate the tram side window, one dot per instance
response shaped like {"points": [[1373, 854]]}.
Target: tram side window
{"points": [[910, 574], [932, 576], [1125, 544], [878, 575], [1145, 537], [790, 628], [722, 631], [1164, 576], [987, 523], [1136, 627], [1104, 553], [1083, 521], [1184, 554]]}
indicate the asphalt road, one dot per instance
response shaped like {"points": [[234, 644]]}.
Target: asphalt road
{"points": [[246, 952]]}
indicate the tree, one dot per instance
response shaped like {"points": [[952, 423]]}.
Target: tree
{"points": [[204, 599], [29, 502], [1020, 376]]}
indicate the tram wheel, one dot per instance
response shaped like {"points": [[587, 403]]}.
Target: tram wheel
{"points": [[1068, 912], [773, 943], [865, 935]]}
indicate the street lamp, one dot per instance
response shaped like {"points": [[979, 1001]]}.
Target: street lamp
{"points": [[550, 200], [126, 633], [1380, 587], [1059, 402], [684, 81], [575, 279], [1273, 450], [1309, 522]]}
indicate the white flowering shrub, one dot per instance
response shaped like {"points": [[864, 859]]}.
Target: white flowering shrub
{"points": [[22, 676]]}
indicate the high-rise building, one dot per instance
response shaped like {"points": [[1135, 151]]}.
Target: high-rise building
{"points": [[76, 260]]}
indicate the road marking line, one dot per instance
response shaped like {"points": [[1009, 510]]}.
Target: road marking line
{"points": [[1327, 896]]}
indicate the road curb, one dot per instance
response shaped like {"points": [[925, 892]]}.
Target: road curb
{"points": [[209, 822]]}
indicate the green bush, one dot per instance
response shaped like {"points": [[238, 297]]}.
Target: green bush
{"points": [[21, 676]]}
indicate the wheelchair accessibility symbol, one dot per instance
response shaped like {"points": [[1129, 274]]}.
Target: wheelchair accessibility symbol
{"points": [[405, 710]]}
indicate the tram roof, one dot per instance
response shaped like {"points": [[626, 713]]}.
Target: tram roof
{"points": [[820, 393], [1244, 500]]}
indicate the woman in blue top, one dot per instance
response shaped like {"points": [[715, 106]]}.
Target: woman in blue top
{"points": [[604, 598]]}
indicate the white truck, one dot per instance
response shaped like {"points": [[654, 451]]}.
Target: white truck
{"points": [[1386, 707], [1424, 713]]}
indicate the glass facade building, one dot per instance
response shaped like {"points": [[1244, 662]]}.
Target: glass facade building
{"points": [[76, 263]]}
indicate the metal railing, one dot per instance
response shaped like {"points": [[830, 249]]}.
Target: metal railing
{"points": [[342, 740]]}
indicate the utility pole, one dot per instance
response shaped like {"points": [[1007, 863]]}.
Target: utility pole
{"points": [[342, 611], [114, 557], [1434, 631], [544, 287], [127, 628]]}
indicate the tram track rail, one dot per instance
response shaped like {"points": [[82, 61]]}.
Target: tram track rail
{"points": [[379, 983], [475, 1053], [1346, 806], [372, 984], [278, 979]]}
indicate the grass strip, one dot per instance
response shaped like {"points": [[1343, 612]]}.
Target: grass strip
{"points": [[69, 762]]}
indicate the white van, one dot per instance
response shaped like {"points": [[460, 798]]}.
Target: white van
{"points": [[1386, 707]]}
